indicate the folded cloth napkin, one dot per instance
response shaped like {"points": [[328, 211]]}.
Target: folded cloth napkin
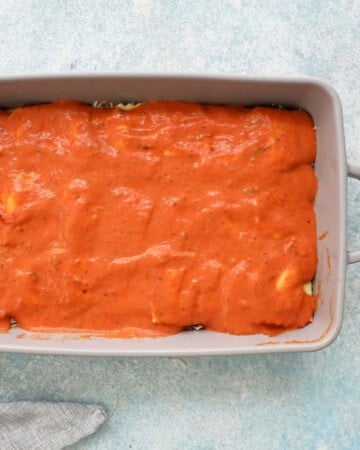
{"points": [[46, 425]]}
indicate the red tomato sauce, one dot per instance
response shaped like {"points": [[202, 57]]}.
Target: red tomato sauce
{"points": [[147, 221]]}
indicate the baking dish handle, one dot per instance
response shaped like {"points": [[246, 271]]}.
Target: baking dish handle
{"points": [[354, 172]]}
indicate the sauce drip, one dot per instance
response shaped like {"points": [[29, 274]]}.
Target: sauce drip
{"points": [[147, 221]]}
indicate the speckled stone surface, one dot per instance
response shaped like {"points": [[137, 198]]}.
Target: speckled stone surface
{"points": [[294, 401]]}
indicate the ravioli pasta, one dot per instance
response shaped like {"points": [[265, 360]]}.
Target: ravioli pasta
{"points": [[151, 218]]}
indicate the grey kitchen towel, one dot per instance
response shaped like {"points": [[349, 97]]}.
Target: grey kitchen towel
{"points": [[46, 425]]}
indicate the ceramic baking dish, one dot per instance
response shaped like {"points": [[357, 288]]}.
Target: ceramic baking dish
{"points": [[316, 97]]}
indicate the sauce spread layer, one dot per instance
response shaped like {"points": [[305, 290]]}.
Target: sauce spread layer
{"points": [[147, 221]]}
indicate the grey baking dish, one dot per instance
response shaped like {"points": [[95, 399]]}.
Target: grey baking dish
{"points": [[315, 96]]}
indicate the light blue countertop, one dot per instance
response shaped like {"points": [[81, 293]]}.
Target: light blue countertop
{"points": [[288, 401]]}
